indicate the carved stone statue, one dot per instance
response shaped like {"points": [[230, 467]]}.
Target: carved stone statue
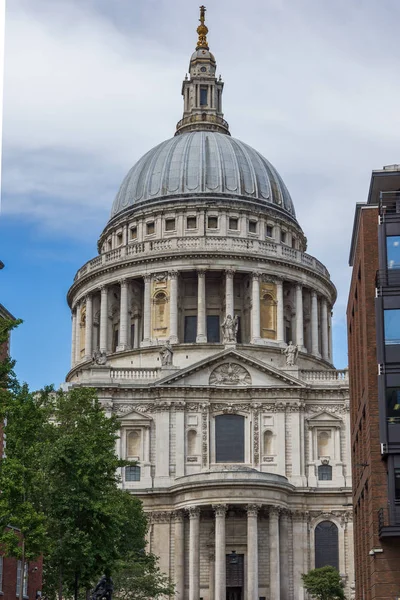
{"points": [[229, 329], [291, 351], [166, 354], [99, 358], [103, 590]]}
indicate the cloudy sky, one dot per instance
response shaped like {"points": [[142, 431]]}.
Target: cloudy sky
{"points": [[91, 85]]}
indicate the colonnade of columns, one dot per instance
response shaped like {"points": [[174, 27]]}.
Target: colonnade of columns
{"points": [[320, 316], [279, 553]]}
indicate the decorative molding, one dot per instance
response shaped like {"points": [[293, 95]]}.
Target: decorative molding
{"points": [[160, 277], [230, 374], [274, 511], [159, 517], [220, 510], [253, 509], [194, 512], [178, 516], [256, 437], [204, 437], [192, 459]]}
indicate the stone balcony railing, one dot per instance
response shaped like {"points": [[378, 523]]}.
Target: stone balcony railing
{"points": [[330, 376], [179, 245]]}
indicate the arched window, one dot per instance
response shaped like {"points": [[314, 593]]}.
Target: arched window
{"points": [[325, 473], [229, 438], [326, 545], [323, 443], [160, 307], [132, 473], [133, 444], [191, 442], [268, 438], [268, 316]]}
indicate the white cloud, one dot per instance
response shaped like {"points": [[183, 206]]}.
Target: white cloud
{"points": [[90, 86]]}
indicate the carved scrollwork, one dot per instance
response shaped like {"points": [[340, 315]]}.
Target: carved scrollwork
{"points": [[230, 374], [194, 512], [252, 510], [220, 510]]}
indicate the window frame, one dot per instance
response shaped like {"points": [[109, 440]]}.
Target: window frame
{"points": [[133, 469], [237, 224], [325, 470], [219, 451], [324, 545], [189, 218], [148, 225]]}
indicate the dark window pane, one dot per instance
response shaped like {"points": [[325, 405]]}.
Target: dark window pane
{"points": [[397, 484], [233, 224], [326, 545], [213, 328], [393, 251], [325, 473], [150, 228], [132, 334], [133, 233], [191, 223], [269, 230], [393, 405], [229, 438], [212, 223], [132, 473], [283, 237], [252, 226], [239, 331], [392, 326], [115, 340], [203, 96], [170, 225], [190, 329]]}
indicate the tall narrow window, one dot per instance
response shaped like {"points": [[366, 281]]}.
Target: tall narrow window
{"points": [[190, 329], [25, 588], [229, 438], [192, 442], [213, 328], [326, 545], [19, 577], [133, 444], [203, 96], [393, 251]]}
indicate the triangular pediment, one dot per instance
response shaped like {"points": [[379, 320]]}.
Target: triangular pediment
{"points": [[231, 368], [324, 418], [126, 413]]}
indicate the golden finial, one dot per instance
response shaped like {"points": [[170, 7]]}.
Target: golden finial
{"points": [[202, 30]]}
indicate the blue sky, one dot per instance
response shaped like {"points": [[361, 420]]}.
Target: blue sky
{"points": [[90, 86]]}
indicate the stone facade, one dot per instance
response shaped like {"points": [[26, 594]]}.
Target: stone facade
{"points": [[184, 323]]}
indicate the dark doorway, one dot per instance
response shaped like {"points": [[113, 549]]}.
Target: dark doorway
{"points": [[234, 593]]}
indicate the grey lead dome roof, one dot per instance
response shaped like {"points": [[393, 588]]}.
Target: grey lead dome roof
{"points": [[202, 162]]}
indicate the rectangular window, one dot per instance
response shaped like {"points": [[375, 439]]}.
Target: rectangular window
{"points": [[393, 251], [132, 473], [132, 334], [283, 237], [203, 96], [252, 226], [229, 438], [293, 243], [213, 328], [397, 485], [392, 326], [191, 223], [150, 228], [190, 329], [19, 576], [233, 224], [133, 233], [115, 339], [170, 225], [393, 405], [269, 231], [212, 222], [119, 239]]}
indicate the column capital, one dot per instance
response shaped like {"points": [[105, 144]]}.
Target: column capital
{"points": [[220, 510], [286, 514], [299, 286], [103, 289], [230, 273], [194, 512], [173, 274], [147, 278], [123, 281], [178, 516], [314, 293], [274, 511], [201, 272], [252, 509], [255, 275], [88, 296]]}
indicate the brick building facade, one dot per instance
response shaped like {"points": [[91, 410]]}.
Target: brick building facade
{"points": [[374, 370]]}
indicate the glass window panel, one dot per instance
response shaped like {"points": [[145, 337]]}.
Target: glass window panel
{"points": [[269, 230], [392, 326], [253, 226], [393, 405], [326, 545], [393, 251], [191, 223], [132, 473], [133, 233], [229, 438], [212, 222], [170, 225], [150, 228], [190, 329], [213, 328], [203, 97], [325, 473], [397, 484], [233, 224]]}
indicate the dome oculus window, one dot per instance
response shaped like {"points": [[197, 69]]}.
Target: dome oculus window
{"points": [[191, 223], [233, 224], [252, 226], [170, 225], [150, 228], [212, 222]]}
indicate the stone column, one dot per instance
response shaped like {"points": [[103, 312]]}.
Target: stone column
{"points": [[78, 333], [274, 562], [194, 553], [280, 330], [136, 331], [324, 329], [147, 311], [103, 318], [89, 328], [73, 338], [201, 307], [229, 297], [314, 324], [252, 552], [173, 310], [255, 309], [179, 537], [220, 552], [330, 351], [123, 317], [300, 552], [299, 317], [284, 553]]}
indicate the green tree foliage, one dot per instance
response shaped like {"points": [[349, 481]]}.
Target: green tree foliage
{"points": [[140, 578], [324, 584]]}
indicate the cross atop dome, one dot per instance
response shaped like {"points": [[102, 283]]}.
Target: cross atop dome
{"points": [[202, 92]]}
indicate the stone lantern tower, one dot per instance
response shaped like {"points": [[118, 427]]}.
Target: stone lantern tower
{"points": [[206, 327]]}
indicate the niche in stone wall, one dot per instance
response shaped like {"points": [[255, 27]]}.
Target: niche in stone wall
{"points": [[133, 443], [268, 310], [160, 316], [324, 444], [82, 327], [192, 442], [268, 441]]}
